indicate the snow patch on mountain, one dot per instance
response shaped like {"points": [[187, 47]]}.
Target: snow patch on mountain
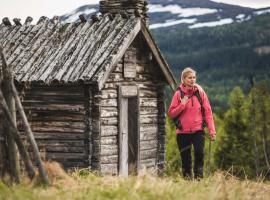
{"points": [[172, 22], [260, 12], [183, 12], [212, 24], [240, 17]]}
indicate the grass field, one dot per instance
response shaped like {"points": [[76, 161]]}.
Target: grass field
{"points": [[85, 185]]}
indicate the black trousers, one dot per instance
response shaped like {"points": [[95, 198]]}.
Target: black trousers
{"points": [[185, 142]]}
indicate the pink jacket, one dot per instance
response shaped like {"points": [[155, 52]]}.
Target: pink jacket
{"points": [[190, 113]]}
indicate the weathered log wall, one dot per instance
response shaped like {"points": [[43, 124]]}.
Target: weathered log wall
{"points": [[2, 146], [95, 128], [161, 127], [59, 122], [151, 109]]}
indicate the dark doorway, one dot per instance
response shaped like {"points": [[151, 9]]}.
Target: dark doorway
{"points": [[132, 135]]}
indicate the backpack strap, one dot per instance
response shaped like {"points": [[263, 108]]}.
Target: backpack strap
{"points": [[176, 120], [182, 94], [197, 94]]}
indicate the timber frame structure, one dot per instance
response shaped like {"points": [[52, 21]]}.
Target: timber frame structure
{"points": [[93, 91]]}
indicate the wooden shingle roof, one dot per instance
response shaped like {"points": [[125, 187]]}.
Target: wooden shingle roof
{"points": [[50, 51]]}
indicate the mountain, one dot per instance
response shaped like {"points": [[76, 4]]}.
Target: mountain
{"points": [[182, 13], [193, 13]]}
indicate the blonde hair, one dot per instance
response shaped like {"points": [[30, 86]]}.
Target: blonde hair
{"points": [[185, 72]]}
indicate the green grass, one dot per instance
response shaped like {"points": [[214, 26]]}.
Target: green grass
{"points": [[84, 185]]}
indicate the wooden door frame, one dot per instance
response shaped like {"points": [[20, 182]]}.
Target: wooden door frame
{"points": [[125, 92]]}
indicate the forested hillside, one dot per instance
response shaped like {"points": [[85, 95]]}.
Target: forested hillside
{"points": [[224, 56]]}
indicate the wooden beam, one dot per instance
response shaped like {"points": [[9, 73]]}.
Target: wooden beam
{"points": [[13, 133], [123, 135], [12, 152], [41, 170], [13, 159], [159, 58]]}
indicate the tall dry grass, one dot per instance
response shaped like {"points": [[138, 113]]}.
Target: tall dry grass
{"points": [[83, 184]]}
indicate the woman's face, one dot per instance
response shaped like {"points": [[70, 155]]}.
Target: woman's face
{"points": [[190, 79]]}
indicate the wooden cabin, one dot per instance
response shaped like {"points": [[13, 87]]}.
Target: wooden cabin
{"points": [[93, 90]]}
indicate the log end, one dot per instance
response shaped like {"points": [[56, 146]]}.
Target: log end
{"points": [[17, 21], [82, 18], [28, 20], [6, 21]]}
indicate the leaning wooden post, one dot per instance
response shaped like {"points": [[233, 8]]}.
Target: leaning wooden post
{"points": [[13, 132], [15, 135], [13, 159], [31, 138], [29, 133]]}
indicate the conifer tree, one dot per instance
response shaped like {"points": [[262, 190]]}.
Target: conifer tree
{"points": [[252, 128], [262, 124], [235, 146]]}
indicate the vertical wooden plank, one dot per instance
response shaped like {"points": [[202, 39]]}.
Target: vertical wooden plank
{"points": [[120, 128], [123, 135]]}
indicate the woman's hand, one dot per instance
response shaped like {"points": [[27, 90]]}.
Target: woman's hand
{"points": [[184, 100], [213, 137]]}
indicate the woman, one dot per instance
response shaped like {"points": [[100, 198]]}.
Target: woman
{"points": [[190, 106]]}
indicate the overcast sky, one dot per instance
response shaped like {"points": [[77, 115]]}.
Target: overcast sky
{"points": [[36, 8]]}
